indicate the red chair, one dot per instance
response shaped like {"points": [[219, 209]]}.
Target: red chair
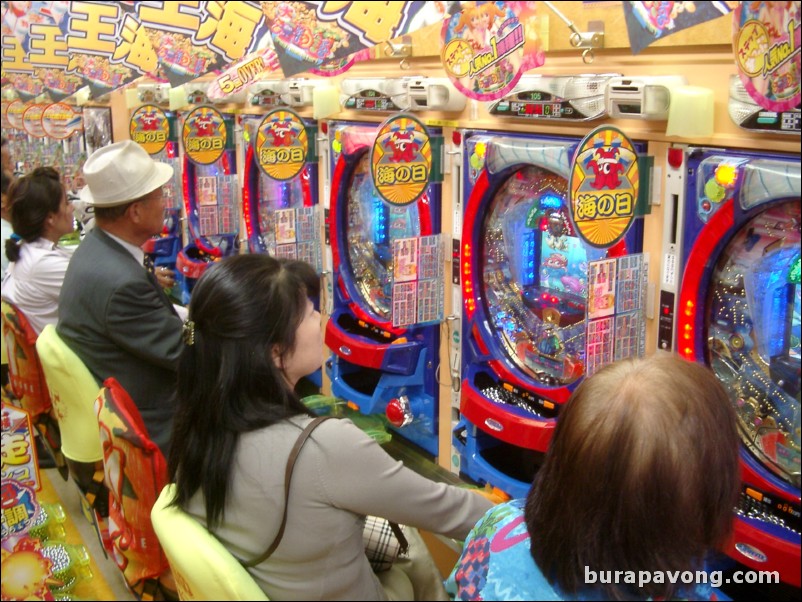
{"points": [[135, 472], [27, 380]]}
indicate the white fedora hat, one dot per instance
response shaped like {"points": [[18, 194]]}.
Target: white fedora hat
{"points": [[120, 173]]}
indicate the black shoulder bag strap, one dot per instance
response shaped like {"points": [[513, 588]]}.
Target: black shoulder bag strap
{"points": [[403, 547], [296, 449]]}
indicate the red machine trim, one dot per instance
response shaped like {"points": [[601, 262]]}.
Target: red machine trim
{"points": [[528, 433]]}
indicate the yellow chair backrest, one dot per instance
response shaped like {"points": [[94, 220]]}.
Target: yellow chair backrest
{"points": [[73, 391], [202, 567]]}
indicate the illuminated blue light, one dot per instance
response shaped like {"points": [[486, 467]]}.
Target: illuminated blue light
{"points": [[528, 258], [550, 201], [380, 221]]}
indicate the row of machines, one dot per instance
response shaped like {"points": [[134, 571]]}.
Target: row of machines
{"points": [[537, 307], [276, 203]]}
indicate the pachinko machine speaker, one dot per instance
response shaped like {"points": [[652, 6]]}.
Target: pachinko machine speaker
{"points": [[551, 289], [387, 306], [156, 131], [211, 194], [731, 285]]}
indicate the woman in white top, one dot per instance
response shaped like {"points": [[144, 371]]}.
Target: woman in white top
{"points": [[40, 216]]}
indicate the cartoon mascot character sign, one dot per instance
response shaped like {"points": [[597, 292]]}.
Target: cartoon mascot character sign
{"points": [[401, 160], [604, 186], [281, 144]]}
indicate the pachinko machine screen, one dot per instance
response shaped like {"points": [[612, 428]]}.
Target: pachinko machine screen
{"points": [[542, 307], [275, 197], [753, 337], [287, 219], [280, 192], [372, 228], [172, 189], [216, 198], [739, 313], [535, 277]]}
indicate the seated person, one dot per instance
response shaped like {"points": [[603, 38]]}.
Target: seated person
{"points": [[113, 312], [642, 475], [252, 334], [6, 164], [5, 216], [40, 216], [305, 386]]}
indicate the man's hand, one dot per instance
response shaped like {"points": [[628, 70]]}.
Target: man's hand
{"points": [[165, 276]]}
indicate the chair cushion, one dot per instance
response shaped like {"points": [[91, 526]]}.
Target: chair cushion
{"points": [[135, 473]]}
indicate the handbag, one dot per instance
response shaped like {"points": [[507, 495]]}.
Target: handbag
{"points": [[384, 542]]}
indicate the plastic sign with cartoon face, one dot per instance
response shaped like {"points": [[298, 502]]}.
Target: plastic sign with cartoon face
{"points": [[281, 144], [204, 135], [604, 186], [150, 128], [401, 160]]}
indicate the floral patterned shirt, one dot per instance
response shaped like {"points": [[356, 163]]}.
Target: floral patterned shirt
{"points": [[496, 565]]}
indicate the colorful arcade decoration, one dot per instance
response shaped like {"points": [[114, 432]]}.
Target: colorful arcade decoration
{"points": [[19, 508], [155, 131], [60, 121], [150, 128], [616, 328], [310, 34], [604, 186], [14, 112], [192, 39], [19, 451], [280, 193], [648, 22], [541, 305], [37, 564], [388, 285], [211, 198], [339, 66], [401, 160], [204, 135], [32, 120], [739, 312], [282, 144], [766, 45], [488, 45], [105, 58]]}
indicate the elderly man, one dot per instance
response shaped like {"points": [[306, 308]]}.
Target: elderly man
{"points": [[112, 311]]}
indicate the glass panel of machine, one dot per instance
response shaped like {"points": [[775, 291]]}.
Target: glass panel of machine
{"points": [[373, 225], [753, 334], [535, 276], [275, 195], [217, 201]]}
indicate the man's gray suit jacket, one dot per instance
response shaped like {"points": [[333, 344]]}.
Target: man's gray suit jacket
{"points": [[117, 319]]}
